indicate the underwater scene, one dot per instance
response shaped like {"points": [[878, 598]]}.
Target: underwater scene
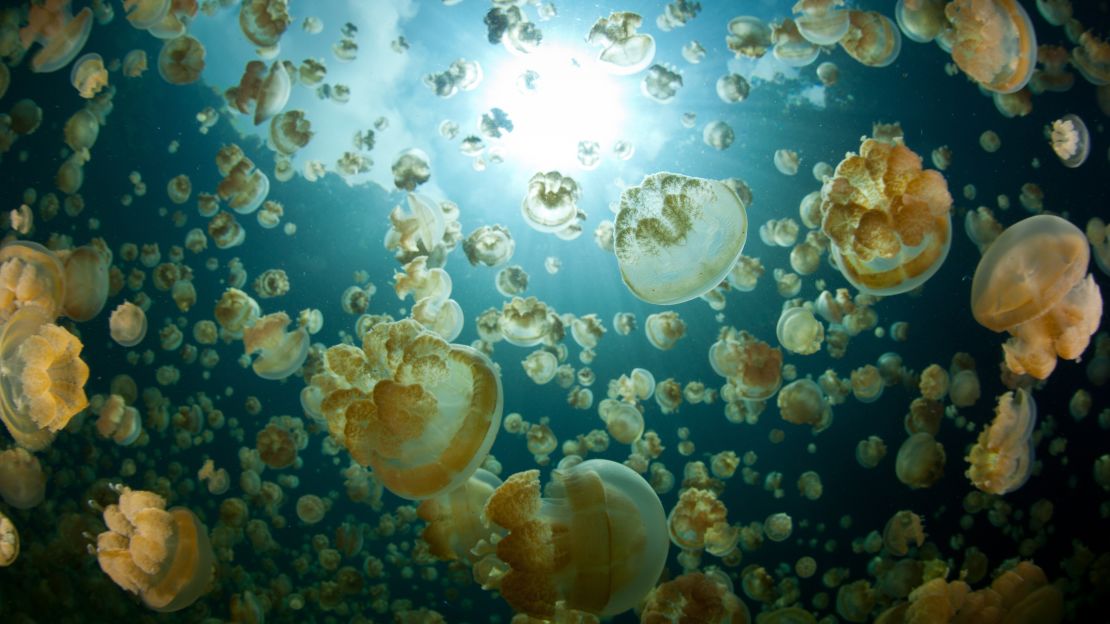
{"points": [[469, 311]]}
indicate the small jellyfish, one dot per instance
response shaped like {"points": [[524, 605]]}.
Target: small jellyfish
{"points": [[718, 135], [624, 51], [903, 530], [550, 204], [489, 245], [22, 480], [920, 461], [661, 82], [181, 60], [695, 597], [88, 75], [280, 353], [9, 541], [1070, 141], [664, 330], [732, 88], [786, 161], [799, 331], [1002, 458], [802, 402]]}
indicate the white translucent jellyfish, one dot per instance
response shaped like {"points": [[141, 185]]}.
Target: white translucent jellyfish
{"points": [[799, 331], [442, 316], [623, 421], [88, 75], [677, 237], [540, 366], [778, 527], [181, 60], [461, 75], [786, 161], [664, 329], [748, 36], [280, 353], [661, 82], [732, 88], [1002, 458], [624, 51], [828, 73], [872, 39], [551, 202], [791, 48], [821, 21], [1070, 140], [993, 42], [920, 20], [718, 135], [260, 92], [489, 245]]}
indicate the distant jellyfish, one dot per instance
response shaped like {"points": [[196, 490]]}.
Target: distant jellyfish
{"points": [[411, 169], [821, 21], [732, 88], [990, 141], [993, 42], [920, 20], [1092, 58], [870, 452], [748, 36], [828, 73], [280, 353], [454, 519], [677, 237], [541, 554], [1002, 458], [695, 597], [778, 527], [661, 82], [128, 324], [9, 541], [22, 480], [1070, 140], [86, 270], [88, 75], [752, 366], [181, 60], [786, 161], [718, 135], [25, 117], [550, 204], [290, 131], [61, 34], [872, 39], [624, 51], [81, 130], [920, 461], [135, 63]]}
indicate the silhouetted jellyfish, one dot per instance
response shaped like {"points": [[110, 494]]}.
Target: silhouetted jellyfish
{"points": [[22, 480], [597, 541], [455, 518], [1030, 282], [888, 221], [42, 385], [1002, 458], [993, 42], [872, 39], [61, 34], [624, 51], [920, 461], [677, 237], [163, 556], [421, 412], [1070, 140]]}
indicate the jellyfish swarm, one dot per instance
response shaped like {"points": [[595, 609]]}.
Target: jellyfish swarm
{"points": [[597, 541], [421, 412], [677, 237], [1030, 282], [994, 43], [888, 220], [1002, 458], [163, 556]]}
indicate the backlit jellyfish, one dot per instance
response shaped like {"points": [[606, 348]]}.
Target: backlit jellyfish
{"points": [[920, 461], [489, 245], [904, 530], [867, 384], [1031, 283], [244, 187], [550, 203], [694, 597], [718, 135], [872, 39], [677, 237], [920, 20], [61, 34], [22, 480], [587, 331], [226, 231], [525, 322], [624, 323], [442, 316], [786, 161], [43, 382], [828, 73], [454, 518], [163, 556], [144, 14], [411, 169], [561, 548], [235, 311], [1092, 58], [661, 82], [88, 75], [280, 353], [778, 527], [803, 403], [624, 51], [1070, 140], [732, 88], [748, 36], [1002, 458], [127, 324], [119, 421], [993, 42], [799, 331], [30, 275], [623, 421], [179, 188], [422, 413], [664, 329], [181, 60], [9, 542], [86, 271], [264, 21], [821, 21], [870, 452], [260, 92], [461, 75], [511, 281], [791, 48], [290, 131], [693, 52], [752, 367], [540, 366], [888, 221]]}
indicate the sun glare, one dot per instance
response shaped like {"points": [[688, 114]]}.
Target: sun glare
{"points": [[555, 99]]}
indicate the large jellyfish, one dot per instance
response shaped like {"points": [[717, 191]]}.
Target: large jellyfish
{"points": [[163, 556], [821, 21], [920, 20], [872, 39], [181, 60], [597, 541], [888, 221], [421, 412], [454, 518], [1002, 458], [677, 237], [1030, 282], [61, 34], [993, 43], [624, 51]]}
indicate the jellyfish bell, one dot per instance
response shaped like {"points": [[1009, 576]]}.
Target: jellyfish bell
{"points": [[30, 275], [677, 237], [920, 20], [61, 34], [993, 42], [274, 93], [821, 22], [88, 75], [624, 51], [86, 279], [790, 46], [280, 353], [264, 21], [872, 39], [181, 60], [550, 204], [144, 14], [454, 518], [623, 421], [1002, 457], [1070, 140], [748, 36], [9, 541]]}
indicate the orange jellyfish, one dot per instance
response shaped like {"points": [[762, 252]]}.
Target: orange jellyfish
{"points": [[454, 518], [920, 20], [889, 222], [695, 597], [163, 556], [1002, 458], [872, 39], [61, 34], [821, 21], [181, 60], [1030, 282], [993, 43], [597, 542], [280, 353], [86, 270]]}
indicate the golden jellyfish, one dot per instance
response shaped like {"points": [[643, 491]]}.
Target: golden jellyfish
{"points": [[587, 331], [1031, 283], [920, 461], [181, 60], [81, 131], [86, 271], [963, 388], [119, 421], [802, 402], [888, 221], [22, 481], [454, 518], [411, 169], [9, 541], [1002, 458], [290, 131], [1092, 58], [127, 324], [61, 34], [791, 48], [748, 36], [993, 42], [872, 39], [30, 275], [525, 322], [179, 188], [235, 311], [752, 366], [421, 412], [311, 509], [162, 555], [870, 452], [280, 352], [677, 237], [1070, 140], [276, 446], [623, 50], [787, 161], [43, 382], [700, 521], [902, 531], [489, 245], [694, 597], [867, 384], [821, 22], [244, 186], [778, 527], [799, 331], [597, 542], [551, 203], [442, 316], [623, 421], [540, 366], [144, 14], [5, 79], [856, 600], [135, 63], [664, 329], [88, 75], [264, 21]]}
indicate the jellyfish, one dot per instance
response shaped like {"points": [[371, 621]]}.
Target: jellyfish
{"points": [[30, 275], [790, 46], [872, 39], [88, 75], [86, 280], [563, 548], [1031, 283], [290, 131], [623, 421], [694, 597], [1092, 58], [802, 402], [1002, 458], [540, 366], [870, 452], [43, 381], [903, 530], [9, 541], [867, 384], [920, 461], [61, 34], [22, 481], [820, 21], [135, 63], [624, 51], [732, 88], [550, 204], [119, 421], [454, 518], [664, 330], [718, 135], [264, 21], [162, 555], [786, 161], [700, 521], [753, 367], [1070, 141], [181, 60], [888, 221], [748, 36], [856, 600], [411, 169], [993, 43], [920, 20], [489, 245], [799, 331], [280, 353], [244, 187], [661, 82], [525, 322], [677, 237]]}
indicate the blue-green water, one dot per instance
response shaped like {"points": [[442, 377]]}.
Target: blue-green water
{"points": [[340, 227]]}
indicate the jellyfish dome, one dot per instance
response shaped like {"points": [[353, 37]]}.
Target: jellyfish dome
{"points": [[61, 34], [872, 39], [454, 518], [624, 51], [597, 540], [30, 275], [280, 353], [993, 43], [677, 237], [821, 21], [1002, 458], [920, 20]]}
